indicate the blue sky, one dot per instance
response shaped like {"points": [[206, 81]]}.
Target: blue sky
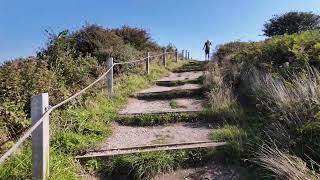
{"points": [[186, 23]]}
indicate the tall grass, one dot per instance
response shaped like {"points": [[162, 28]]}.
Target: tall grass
{"points": [[222, 101], [284, 110], [294, 97], [284, 165]]}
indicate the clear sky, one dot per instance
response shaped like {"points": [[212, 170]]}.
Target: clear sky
{"points": [[186, 23]]}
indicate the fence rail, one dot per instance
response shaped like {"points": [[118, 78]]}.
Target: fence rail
{"points": [[40, 111]]}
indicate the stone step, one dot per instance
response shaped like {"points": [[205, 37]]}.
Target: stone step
{"points": [[178, 79], [183, 76], [178, 83], [138, 106], [189, 69], [163, 92], [192, 66]]}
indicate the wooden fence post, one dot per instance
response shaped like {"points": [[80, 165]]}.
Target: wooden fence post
{"points": [[186, 54], [164, 57], [148, 63], [40, 137], [177, 57], [182, 55], [109, 77]]}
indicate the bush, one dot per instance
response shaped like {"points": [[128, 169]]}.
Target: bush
{"points": [[18, 83], [291, 22], [137, 37]]}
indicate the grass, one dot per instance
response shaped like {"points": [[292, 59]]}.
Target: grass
{"points": [[147, 165], [267, 108], [227, 133], [80, 127], [234, 136]]}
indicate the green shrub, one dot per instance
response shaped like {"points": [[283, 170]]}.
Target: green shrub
{"points": [[137, 37], [291, 22], [18, 83]]}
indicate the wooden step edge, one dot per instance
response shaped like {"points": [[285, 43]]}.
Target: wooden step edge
{"points": [[175, 90], [176, 83], [175, 93], [150, 146], [163, 148], [159, 113]]}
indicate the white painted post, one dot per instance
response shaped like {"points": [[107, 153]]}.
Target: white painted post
{"points": [[40, 137], [148, 63], [164, 57], [177, 57], [109, 77], [182, 55]]}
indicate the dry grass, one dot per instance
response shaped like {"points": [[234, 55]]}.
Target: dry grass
{"points": [[284, 165], [221, 95], [222, 101], [294, 98]]}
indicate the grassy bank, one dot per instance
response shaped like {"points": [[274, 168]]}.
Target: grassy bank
{"points": [[82, 126], [268, 94]]}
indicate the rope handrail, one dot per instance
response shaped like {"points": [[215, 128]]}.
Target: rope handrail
{"points": [[130, 62], [32, 128]]}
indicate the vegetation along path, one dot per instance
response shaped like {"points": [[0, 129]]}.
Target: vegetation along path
{"points": [[165, 117]]}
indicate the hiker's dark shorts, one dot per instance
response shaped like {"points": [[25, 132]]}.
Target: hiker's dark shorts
{"points": [[207, 51]]}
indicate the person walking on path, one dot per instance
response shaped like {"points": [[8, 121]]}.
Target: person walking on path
{"points": [[206, 47]]}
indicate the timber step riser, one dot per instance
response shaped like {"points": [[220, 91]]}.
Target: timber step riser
{"points": [[151, 148], [179, 83], [179, 93]]}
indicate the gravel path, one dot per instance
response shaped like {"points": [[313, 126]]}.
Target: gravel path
{"points": [[136, 106], [126, 136]]}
